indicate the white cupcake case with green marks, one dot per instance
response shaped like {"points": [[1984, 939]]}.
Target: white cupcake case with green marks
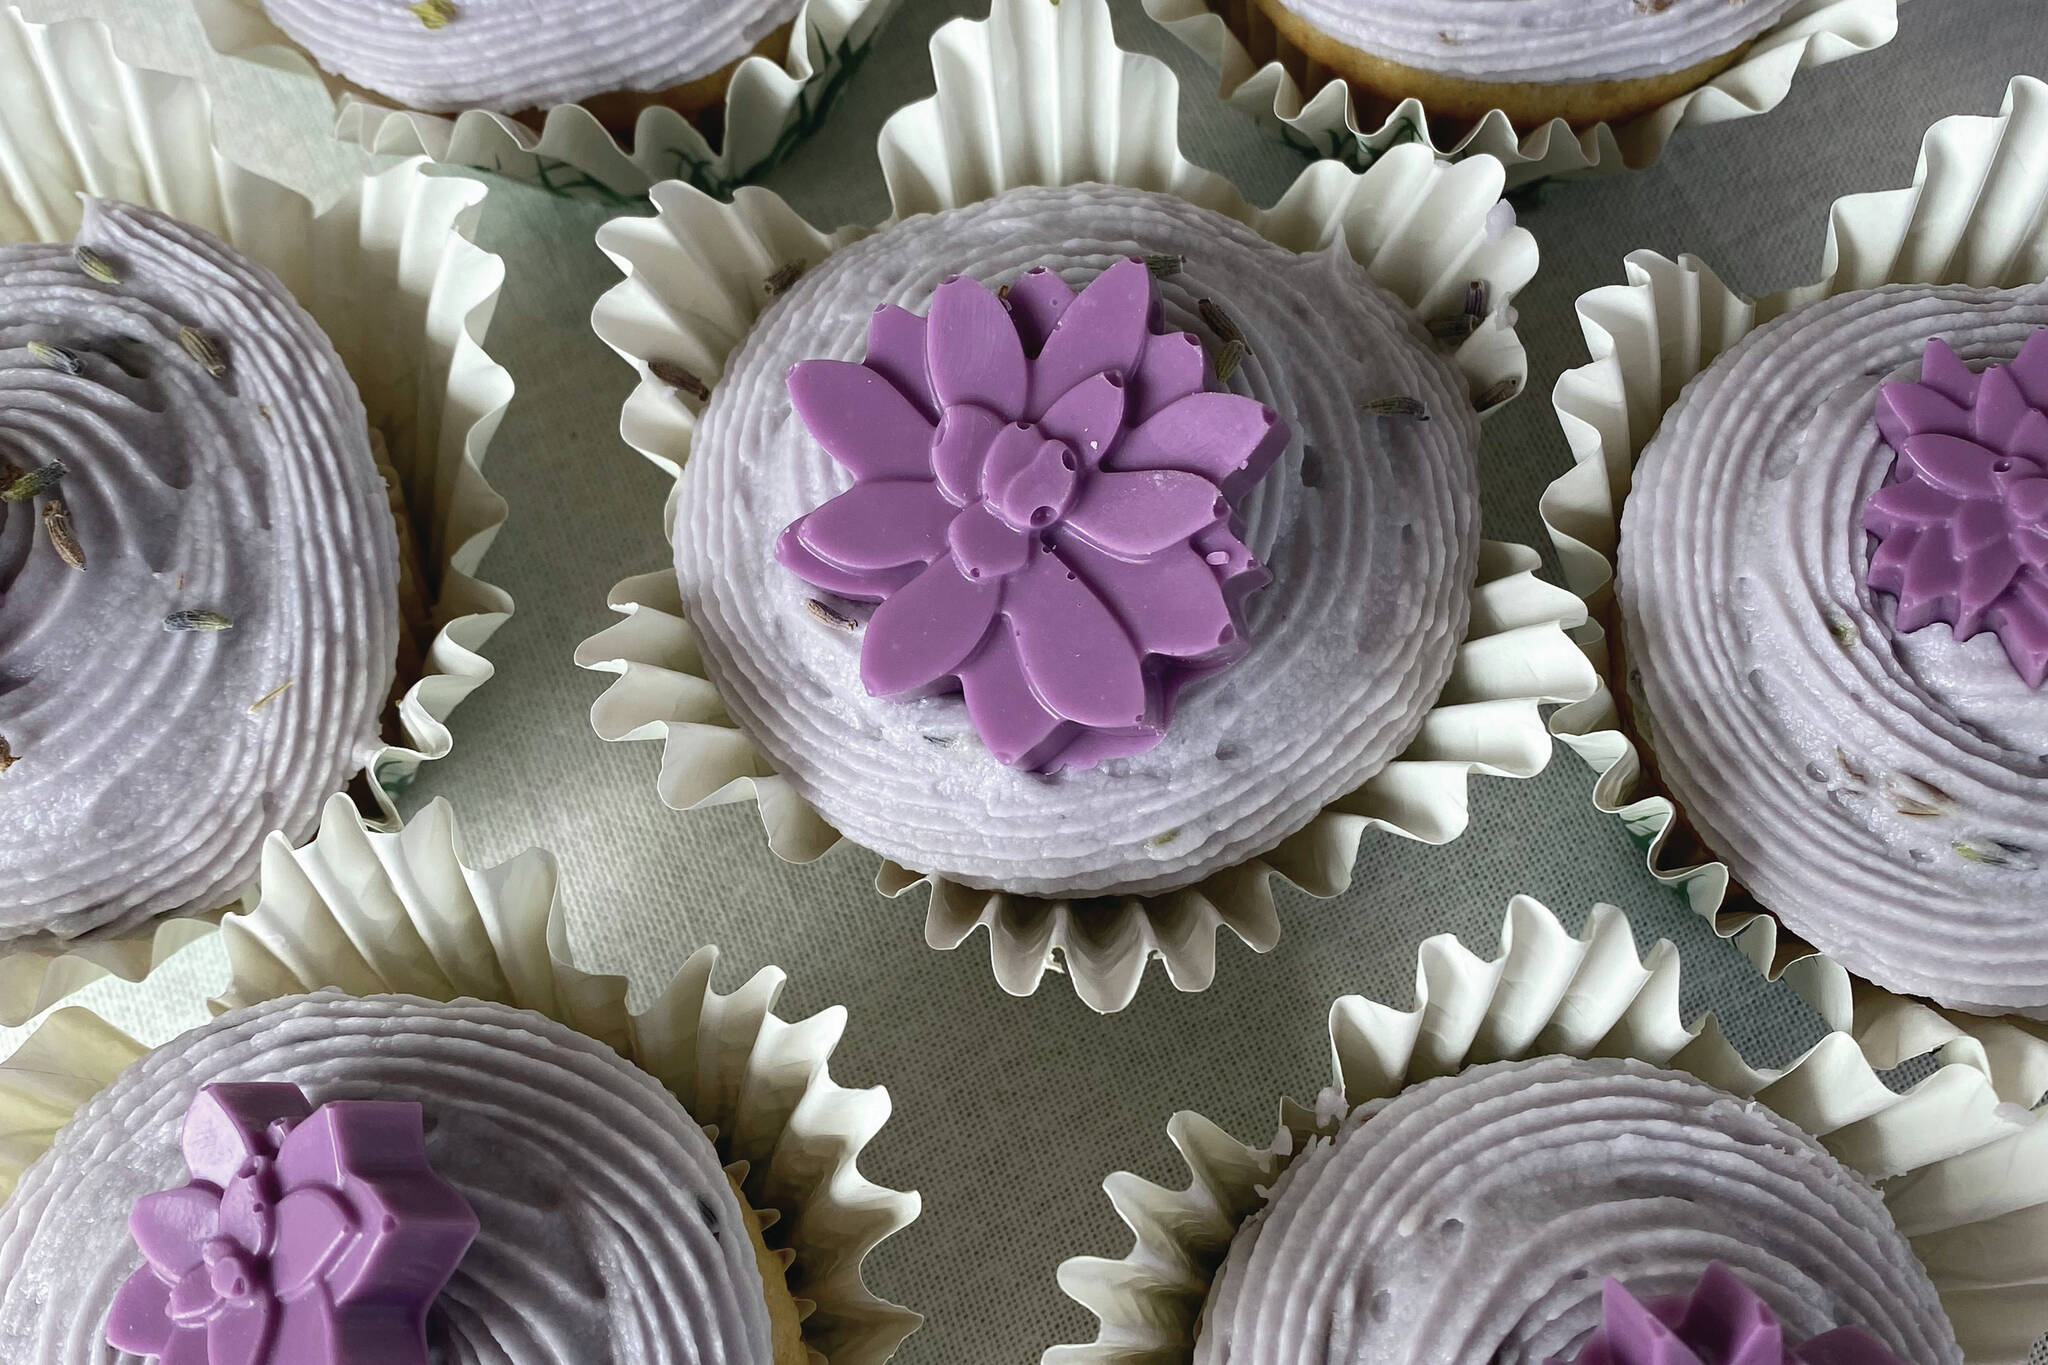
{"points": [[378, 914], [1325, 122], [1972, 215], [1074, 107], [392, 273], [1964, 1175], [769, 107]]}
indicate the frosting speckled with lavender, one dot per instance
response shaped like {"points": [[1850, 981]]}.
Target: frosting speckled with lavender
{"points": [[1543, 40], [608, 1232], [1883, 792], [1369, 525], [143, 782], [1476, 1217], [514, 55]]}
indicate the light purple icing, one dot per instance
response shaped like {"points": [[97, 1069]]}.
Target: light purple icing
{"points": [[1042, 505], [1883, 791], [1721, 1322], [1962, 531], [303, 1236], [1544, 40]]}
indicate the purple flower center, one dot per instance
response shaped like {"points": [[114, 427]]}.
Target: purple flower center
{"points": [[1043, 506]]}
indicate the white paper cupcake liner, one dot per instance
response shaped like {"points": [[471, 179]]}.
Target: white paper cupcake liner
{"points": [[769, 107], [1973, 215], [1039, 94], [1325, 122], [1964, 1175], [373, 914], [391, 272]]}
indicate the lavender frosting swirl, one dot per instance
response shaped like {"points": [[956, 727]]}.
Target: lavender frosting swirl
{"points": [[514, 55], [1885, 794], [1476, 1217], [608, 1233], [144, 782], [1369, 525], [1543, 40]]}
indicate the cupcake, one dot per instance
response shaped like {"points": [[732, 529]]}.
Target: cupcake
{"points": [[239, 509], [1549, 86], [1827, 608], [600, 97], [1037, 543], [1540, 1164], [342, 1174]]}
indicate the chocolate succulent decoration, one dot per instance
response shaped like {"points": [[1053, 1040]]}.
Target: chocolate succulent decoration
{"points": [[1962, 530], [1722, 1322], [304, 1237], [1043, 506]]}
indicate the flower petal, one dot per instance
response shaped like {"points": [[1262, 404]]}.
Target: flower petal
{"points": [[879, 525], [1172, 367], [193, 1296], [972, 351], [863, 420], [1076, 657], [2001, 407], [1944, 371], [1907, 409], [1088, 417], [926, 632], [896, 351], [1037, 299], [247, 1216], [2023, 627], [1170, 603], [1910, 502], [1143, 513], [2030, 368], [187, 1346], [961, 450], [1007, 715], [228, 1122], [985, 546], [1984, 576], [1228, 439], [1976, 525], [313, 1228], [2029, 440], [172, 1226], [862, 585], [1105, 329], [240, 1335], [1954, 464], [140, 1320]]}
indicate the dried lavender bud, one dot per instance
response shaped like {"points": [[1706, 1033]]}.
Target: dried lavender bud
{"points": [[1229, 356], [1453, 329], [1497, 393], [1165, 264], [35, 482], [56, 357], [272, 695], [679, 379], [1478, 299], [1397, 405], [201, 348], [830, 617], [57, 523], [779, 283], [433, 13], [192, 619], [95, 265], [1219, 322], [8, 758]]}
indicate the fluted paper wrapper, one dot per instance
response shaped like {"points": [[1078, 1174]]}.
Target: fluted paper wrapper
{"points": [[392, 274], [372, 914], [769, 106], [1325, 122], [1964, 1175], [1041, 95], [1971, 216]]}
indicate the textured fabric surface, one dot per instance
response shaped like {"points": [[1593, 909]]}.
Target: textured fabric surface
{"points": [[1009, 1112]]}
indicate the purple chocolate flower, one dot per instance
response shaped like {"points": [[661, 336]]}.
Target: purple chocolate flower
{"points": [[1722, 1322], [304, 1238], [1963, 530], [1043, 507]]}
